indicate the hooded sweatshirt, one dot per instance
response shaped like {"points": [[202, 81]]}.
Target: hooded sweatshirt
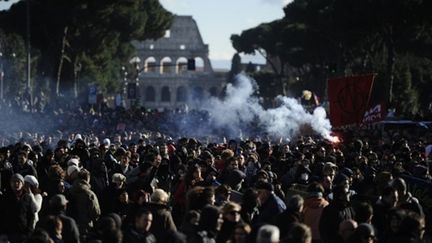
{"points": [[313, 207]]}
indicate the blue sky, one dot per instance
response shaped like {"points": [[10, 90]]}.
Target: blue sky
{"points": [[218, 19]]}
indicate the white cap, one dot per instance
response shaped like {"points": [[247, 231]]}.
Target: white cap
{"points": [[73, 161], [106, 142], [118, 177], [78, 136], [31, 180], [71, 169]]}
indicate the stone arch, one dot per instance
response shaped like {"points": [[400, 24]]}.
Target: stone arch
{"points": [[198, 93], [181, 64], [199, 64], [150, 65], [213, 91], [166, 65], [182, 94], [165, 94], [150, 94]]}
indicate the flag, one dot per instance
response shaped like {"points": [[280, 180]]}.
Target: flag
{"points": [[92, 95], [316, 99], [376, 113], [349, 99]]}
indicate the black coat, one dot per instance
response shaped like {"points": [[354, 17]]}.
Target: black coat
{"points": [[16, 214], [226, 231], [286, 220], [268, 211], [202, 237], [332, 215], [131, 235], [70, 230], [162, 221]]}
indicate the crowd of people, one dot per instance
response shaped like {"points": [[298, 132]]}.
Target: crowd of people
{"points": [[113, 176]]}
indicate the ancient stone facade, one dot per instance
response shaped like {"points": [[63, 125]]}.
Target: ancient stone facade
{"points": [[165, 81]]}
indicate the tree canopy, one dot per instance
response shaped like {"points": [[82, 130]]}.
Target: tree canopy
{"points": [[92, 37], [318, 39]]}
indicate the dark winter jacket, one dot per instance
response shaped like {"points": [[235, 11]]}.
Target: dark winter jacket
{"points": [[286, 220], [84, 205], [131, 235], [16, 214], [162, 220], [268, 211], [332, 215]]}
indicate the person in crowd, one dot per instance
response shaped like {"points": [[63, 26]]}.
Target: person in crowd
{"points": [[314, 204], [249, 207], [268, 234], [405, 199], [363, 212], [411, 229], [58, 207], [364, 233], [190, 223], [139, 230], [270, 204], [31, 186], [23, 166], [292, 215], [54, 227], [199, 197], [162, 218], [241, 233], [124, 157], [337, 211], [112, 196], [231, 215], [210, 223], [299, 233], [55, 182], [84, 204], [192, 178], [346, 229], [222, 195], [106, 230], [387, 201], [17, 211]]}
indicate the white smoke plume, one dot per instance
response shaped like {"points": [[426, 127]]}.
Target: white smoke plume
{"points": [[240, 108]]}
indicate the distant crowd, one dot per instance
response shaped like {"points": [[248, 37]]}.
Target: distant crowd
{"points": [[143, 186], [116, 175]]}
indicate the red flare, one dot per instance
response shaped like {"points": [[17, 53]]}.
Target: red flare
{"points": [[335, 139]]}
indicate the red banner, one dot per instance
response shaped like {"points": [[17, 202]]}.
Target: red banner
{"points": [[349, 99]]}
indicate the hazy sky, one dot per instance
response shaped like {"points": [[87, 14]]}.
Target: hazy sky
{"points": [[218, 19]]}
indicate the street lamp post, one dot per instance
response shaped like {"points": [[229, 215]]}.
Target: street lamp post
{"points": [[132, 88], [2, 72], [1, 76], [77, 70], [28, 45], [124, 75]]}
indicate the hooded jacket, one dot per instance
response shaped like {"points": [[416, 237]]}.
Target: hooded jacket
{"points": [[313, 207], [85, 205]]}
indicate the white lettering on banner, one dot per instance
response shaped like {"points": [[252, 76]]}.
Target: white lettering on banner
{"points": [[372, 115]]}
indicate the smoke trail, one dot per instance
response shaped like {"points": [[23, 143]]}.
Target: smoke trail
{"points": [[241, 113]]}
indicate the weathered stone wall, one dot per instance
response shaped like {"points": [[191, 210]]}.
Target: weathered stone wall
{"points": [[165, 81]]}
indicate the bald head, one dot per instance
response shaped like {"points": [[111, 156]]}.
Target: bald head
{"points": [[347, 228]]}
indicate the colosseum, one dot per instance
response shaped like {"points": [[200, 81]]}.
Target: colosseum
{"points": [[165, 80]]}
